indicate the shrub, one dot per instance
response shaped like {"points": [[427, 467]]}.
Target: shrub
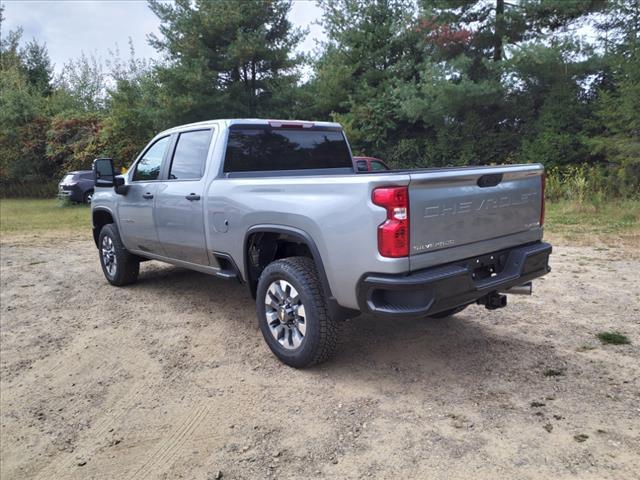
{"points": [[614, 338], [30, 188], [589, 185]]}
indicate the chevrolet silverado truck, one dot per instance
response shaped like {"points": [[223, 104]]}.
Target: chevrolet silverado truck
{"points": [[278, 206]]}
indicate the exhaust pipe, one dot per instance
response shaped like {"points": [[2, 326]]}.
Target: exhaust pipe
{"points": [[524, 289]]}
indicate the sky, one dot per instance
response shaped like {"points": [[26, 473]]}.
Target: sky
{"points": [[70, 27]]}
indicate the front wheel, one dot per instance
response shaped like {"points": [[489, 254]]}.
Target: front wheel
{"points": [[87, 197], [293, 315], [118, 265]]}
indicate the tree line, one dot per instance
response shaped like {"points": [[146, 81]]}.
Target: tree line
{"points": [[418, 83]]}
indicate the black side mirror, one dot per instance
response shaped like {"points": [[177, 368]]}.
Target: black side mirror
{"points": [[103, 172], [119, 183]]}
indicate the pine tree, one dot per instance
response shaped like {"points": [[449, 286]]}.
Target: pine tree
{"points": [[226, 58]]}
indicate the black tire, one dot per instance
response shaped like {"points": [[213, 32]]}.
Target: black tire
{"points": [[127, 266], [321, 331], [86, 198], [448, 313]]}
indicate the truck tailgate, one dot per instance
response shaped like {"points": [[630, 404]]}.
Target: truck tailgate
{"points": [[481, 209]]}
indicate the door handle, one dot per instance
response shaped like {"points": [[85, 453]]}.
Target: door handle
{"points": [[192, 196], [147, 195]]}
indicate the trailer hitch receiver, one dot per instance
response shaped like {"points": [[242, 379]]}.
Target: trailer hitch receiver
{"points": [[493, 301]]}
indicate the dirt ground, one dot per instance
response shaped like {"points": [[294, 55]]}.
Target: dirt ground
{"points": [[170, 378]]}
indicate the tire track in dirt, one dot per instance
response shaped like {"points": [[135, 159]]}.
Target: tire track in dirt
{"points": [[165, 454], [403, 399], [61, 467]]}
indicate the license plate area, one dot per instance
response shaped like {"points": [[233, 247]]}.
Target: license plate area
{"points": [[487, 266]]}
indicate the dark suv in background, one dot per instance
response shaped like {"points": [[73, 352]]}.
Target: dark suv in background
{"points": [[77, 186]]}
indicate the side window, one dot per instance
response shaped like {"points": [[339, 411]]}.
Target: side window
{"points": [[190, 155], [362, 166], [377, 166], [148, 168]]}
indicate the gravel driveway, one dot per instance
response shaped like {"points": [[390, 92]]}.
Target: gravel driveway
{"points": [[170, 378]]}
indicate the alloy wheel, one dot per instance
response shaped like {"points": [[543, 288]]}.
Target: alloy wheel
{"points": [[285, 314], [108, 252]]}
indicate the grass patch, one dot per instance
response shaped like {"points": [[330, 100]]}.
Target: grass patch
{"points": [[553, 372], [613, 338], [20, 216], [565, 218], [584, 221]]}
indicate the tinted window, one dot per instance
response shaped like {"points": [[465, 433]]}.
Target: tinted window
{"points": [[190, 155], [148, 168], [377, 166], [253, 149], [362, 166]]}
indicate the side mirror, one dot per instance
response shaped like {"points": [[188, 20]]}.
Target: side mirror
{"points": [[119, 183], [103, 172]]}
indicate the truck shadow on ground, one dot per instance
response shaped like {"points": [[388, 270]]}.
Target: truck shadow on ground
{"points": [[473, 344], [465, 346]]}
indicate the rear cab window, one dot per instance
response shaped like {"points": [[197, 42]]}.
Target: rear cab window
{"points": [[190, 155], [261, 148]]}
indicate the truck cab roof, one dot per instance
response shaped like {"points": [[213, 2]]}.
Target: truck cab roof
{"points": [[276, 123]]}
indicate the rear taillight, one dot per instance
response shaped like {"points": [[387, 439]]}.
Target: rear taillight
{"points": [[543, 180], [393, 234]]}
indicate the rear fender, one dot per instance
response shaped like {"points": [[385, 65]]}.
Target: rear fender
{"points": [[304, 238]]}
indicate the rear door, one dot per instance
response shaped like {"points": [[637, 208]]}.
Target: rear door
{"points": [[180, 198], [486, 206], [136, 208]]}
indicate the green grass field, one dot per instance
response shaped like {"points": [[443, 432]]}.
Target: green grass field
{"points": [[23, 216], [582, 222]]}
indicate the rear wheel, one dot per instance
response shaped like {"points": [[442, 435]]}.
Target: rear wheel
{"points": [[448, 313], [293, 315], [87, 196], [118, 265]]}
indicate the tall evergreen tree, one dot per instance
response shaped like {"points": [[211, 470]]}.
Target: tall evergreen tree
{"points": [[615, 133], [38, 67], [369, 48], [226, 58]]}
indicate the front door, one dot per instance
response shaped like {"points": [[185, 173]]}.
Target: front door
{"points": [[180, 199], [136, 208]]}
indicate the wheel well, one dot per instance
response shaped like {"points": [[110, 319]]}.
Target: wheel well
{"points": [[262, 248], [100, 219]]}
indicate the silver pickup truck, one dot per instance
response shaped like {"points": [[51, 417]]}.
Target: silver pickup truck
{"points": [[278, 206]]}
